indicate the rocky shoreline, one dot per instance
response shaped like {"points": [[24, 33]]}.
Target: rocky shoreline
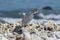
{"points": [[32, 31]]}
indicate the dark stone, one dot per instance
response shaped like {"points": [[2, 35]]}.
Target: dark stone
{"points": [[32, 32], [18, 30], [50, 29], [44, 28], [37, 26], [47, 8], [30, 24], [57, 37]]}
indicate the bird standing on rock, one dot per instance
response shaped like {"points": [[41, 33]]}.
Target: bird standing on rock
{"points": [[25, 20]]}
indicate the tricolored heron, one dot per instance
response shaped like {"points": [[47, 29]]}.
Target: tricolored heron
{"points": [[26, 19]]}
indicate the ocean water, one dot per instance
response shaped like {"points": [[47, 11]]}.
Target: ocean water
{"points": [[42, 18], [12, 10]]}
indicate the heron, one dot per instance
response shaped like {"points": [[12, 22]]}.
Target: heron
{"points": [[28, 17], [25, 20]]}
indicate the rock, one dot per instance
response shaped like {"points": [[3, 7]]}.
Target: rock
{"points": [[47, 8], [26, 35], [1, 28], [19, 37], [35, 37], [50, 25], [58, 28], [57, 34], [18, 30], [11, 36]]}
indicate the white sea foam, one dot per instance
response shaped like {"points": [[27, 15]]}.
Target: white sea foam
{"points": [[50, 16], [45, 18]]}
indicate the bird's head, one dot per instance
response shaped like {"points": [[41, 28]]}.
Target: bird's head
{"points": [[35, 11]]}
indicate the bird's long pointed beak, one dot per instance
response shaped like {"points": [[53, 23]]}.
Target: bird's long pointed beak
{"points": [[35, 12]]}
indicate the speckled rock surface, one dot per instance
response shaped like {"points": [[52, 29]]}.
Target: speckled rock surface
{"points": [[32, 31]]}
